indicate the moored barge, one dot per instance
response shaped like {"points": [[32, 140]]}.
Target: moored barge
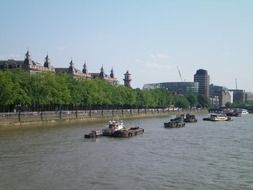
{"points": [[116, 129], [93, 134], [176, 122], [127, 132]]}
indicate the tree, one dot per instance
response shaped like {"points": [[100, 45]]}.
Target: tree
{"points": [[192, 99], [203, 101], [18, 87], [182, 102], [228, 105]]}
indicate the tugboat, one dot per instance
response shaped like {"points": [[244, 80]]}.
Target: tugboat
{"points": [[128, 132], [190, 118], [176, 122], [113, 127], [117, 129]]}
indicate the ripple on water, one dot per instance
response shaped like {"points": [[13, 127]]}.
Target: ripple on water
{"points": [[204, 155]]}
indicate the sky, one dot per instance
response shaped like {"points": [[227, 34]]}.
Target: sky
{"points": [[153, 39]]}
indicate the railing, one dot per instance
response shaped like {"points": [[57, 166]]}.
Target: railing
{"points": [[80, 114]]}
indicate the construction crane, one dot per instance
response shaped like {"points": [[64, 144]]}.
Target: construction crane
{"points": [[180, 74]]}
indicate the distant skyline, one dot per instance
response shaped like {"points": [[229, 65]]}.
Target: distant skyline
{"points": [[149, 38]]}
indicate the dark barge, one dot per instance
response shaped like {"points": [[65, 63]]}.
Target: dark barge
{"points": [[190, 118], [93, 134], [116, 129], [126, 132], [176, 122]]}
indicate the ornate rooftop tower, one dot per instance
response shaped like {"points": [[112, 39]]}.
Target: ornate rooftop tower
{"points": [[85, 71], [27, 61], [71, 67], [47, 62], [112, 73], [127, 79], [102, 73]]}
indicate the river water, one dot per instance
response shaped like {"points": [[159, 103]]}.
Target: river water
{"points": [[203, 156]]}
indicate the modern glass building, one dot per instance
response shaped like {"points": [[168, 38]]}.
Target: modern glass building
{"points": [[239, 95], [203, 79], [178, 87]]}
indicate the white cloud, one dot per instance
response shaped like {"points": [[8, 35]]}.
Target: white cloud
{"points": [[158, 66], [157, 62], [12, 56], [61, 48], [160, 56]]}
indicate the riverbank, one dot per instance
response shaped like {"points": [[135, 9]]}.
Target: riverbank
{"points": [[25, 119]]}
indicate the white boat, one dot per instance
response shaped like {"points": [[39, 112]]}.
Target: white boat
{"points": [[218, 117], [244, 112], [116, 125], [113, 126]]}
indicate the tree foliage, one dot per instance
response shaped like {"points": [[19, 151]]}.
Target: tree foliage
{"points": [[22, 88]]}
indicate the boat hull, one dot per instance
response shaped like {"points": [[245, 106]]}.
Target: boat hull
{"points": [[126, 133], [190, 118], [174, 124], [93, 134]]}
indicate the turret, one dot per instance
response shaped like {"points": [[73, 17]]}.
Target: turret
{"points": [[102, 73], [112, 73], [47, 62], [27, 61], [71, 67], [127, 79], [85, 71]]}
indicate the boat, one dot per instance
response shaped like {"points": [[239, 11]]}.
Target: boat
{"points": [[217, 117], [176, 122], [112, 127], [117, 129], [234, 114], [244, 112], [128, 132], [190, 118], [93, 134]]}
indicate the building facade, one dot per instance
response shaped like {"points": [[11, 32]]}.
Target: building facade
{"points": [[31, 66], [178, 87], [27, 64], [219, 96], [239, 95], [249, 96], [203, 79]]}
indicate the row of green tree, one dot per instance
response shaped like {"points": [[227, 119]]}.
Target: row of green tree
{"points": [[241, 104], [19, 88]]}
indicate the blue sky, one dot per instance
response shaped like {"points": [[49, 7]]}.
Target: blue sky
{"points": [[148, 38]]}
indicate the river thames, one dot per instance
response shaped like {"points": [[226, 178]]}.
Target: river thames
{"points": [[203, 156]]}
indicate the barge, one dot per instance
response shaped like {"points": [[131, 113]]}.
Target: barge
{"points": [[190, 118], [126, 132], [93, 134], [116, 129], [176, 122]]}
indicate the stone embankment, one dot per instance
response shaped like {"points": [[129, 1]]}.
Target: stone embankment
{"points": [[18, 119]]}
